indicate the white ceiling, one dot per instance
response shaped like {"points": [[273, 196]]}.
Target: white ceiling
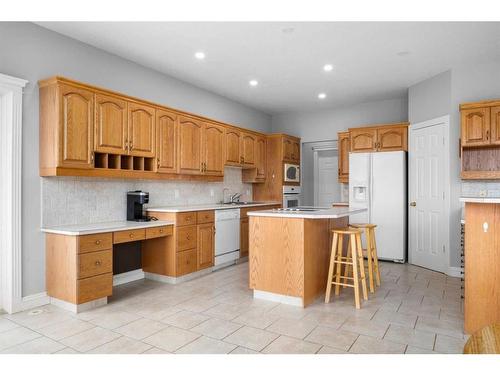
{"points": [[289, 66]]}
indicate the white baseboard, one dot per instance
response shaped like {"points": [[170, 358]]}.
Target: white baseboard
{"points": [[176, 280], [81, 307], [280, 298], [127, 277], [454, 271], [33, 300]]}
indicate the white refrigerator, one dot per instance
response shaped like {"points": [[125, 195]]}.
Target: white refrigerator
{"points": [[377, 181]]}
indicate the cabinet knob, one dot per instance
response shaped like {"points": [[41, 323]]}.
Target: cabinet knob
{"points": [[161, 230], [131, 235], [97, 242], [97, 262]]}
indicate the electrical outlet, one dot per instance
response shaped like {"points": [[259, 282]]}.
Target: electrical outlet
{"points": [[483, 193], [212, 193], [176, 193], [248, 192]]}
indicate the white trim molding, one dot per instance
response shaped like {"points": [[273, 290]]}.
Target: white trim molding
{"points": [[455, 271], [11, 107], [127, 277]]}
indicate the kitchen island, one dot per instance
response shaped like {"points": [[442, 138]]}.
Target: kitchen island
{"points": [[290, 252]]}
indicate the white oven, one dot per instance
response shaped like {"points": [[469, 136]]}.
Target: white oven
{"points": [[291, 196], [291, 173]]}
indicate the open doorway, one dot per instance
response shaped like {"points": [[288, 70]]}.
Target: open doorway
{"points": [[327, 188]]}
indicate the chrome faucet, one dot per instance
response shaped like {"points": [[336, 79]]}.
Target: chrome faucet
{"points": [[235, 197]]}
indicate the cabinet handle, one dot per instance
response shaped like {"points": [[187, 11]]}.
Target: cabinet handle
{"points": [[97, 262], [487, 134], [92, 158], [188, 237], [158, 162], [97, 242]]}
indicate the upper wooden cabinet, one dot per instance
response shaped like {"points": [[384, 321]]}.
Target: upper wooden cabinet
{"points": [[213, 149], [233, 145], [190, 133], [111, 124], [261, 158], [344, 145], [166, 137], [291, 150], [248, 149], [141, 121], [475, 126], [480, 140], [363, 139], [393, 137], [108, 134], [76, 127]]}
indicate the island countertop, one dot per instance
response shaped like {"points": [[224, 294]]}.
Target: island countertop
{"points": [[480, 199], [318, 213]]}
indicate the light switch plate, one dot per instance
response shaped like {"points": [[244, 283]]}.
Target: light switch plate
{"points": [[212, 193], [176, 193], [483, 193]]}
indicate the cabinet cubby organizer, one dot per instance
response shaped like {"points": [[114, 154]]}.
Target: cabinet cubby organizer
{"points": [[123, 162]]}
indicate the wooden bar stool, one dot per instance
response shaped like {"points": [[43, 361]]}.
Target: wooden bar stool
{"points": [[337, 259], [370, 252]]}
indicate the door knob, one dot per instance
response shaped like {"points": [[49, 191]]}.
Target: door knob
{"points": [[413, 204]]}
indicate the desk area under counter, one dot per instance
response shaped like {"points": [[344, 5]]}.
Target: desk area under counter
{"points": [[79, 258]]}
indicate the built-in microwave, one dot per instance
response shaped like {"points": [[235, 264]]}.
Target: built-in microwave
{"points": [[291, 173]]}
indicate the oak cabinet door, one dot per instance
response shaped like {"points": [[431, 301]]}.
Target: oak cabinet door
{"points": [[261, 150], [111, 124], [76, 107], [190, 133], [206, 244], [392, 139], [363, 140], [141, 120], [248, 149], [475, 127], [287, 149], [213, 150], [295, 151], [233, 154], [495, 125], [244, 237], [166, 136], [343, 146]]}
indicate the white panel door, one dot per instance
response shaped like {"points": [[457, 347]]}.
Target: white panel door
{"points": [[427, 219], [327, 189]]}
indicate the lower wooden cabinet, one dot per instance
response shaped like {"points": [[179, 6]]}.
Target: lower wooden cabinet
{"points": [[206, 244], [186, 262], [96, 287]]}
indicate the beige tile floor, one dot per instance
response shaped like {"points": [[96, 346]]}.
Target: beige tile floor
{"points": [[414, 311]]}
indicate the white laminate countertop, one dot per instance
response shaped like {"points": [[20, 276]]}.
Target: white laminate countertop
{"points": [[212, 206], [479, 200], [111, 226], [321, 213]]}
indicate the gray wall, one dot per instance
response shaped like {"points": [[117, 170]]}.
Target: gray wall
{"points": [[33, 53], [324, 125], [430, 99], [442, 95]]}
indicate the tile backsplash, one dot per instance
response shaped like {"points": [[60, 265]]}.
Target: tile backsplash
{"points": [[481, 189], [83, 200]]}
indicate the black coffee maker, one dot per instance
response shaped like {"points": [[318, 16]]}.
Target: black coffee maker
{"points": [[135, 200]]}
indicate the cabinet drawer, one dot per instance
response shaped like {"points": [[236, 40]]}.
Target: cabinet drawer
{"points": [[186, 262], [95, 263], [95, 287], [166, 230], [203, 217], [186, 218], [129, 235], [186, 238], [95, 242]]}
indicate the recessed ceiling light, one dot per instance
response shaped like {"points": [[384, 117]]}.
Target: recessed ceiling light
{"points": [[321, 95], [199, 55], [328, 67], [287, 30], [253, 82]]}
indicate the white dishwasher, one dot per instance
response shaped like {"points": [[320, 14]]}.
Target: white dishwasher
{"points": [[227, 236]]}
